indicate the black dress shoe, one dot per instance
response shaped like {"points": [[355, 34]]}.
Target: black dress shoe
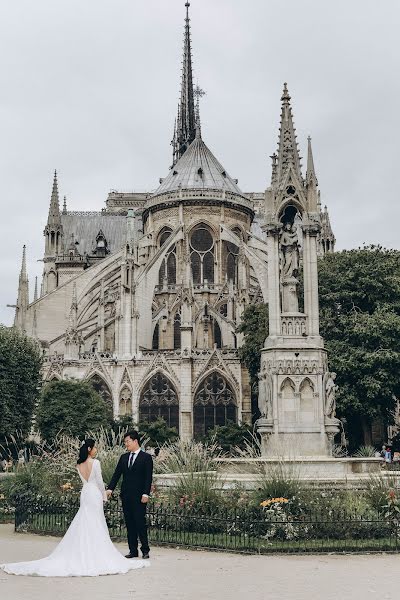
{"points": [[132, 555], [146, 555]]}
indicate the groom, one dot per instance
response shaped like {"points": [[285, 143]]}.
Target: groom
{"points": [[136, 468]]}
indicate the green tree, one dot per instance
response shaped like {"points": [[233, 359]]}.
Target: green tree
{"points": [[360, 321], [157, 432], [230, 436], [71, 407], [254, 326], [20, 363]]}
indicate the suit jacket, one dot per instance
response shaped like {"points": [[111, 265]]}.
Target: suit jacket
{"points": [[137, 480]]}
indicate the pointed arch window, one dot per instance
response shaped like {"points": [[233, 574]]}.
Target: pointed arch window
{"points": [[167, 270], [214, 404], [156, 338], [159, 400], [125, 401], [202, 255], [217, 334], [231, 258], [177, 331], [102, 389]]}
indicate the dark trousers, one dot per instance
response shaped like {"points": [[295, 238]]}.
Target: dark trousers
{"points": [[135, 520]]}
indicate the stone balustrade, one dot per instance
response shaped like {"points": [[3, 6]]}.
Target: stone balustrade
{"points": [[295, 325]]}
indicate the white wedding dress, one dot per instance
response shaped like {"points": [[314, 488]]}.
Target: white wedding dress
{"points": [[86, 549]]}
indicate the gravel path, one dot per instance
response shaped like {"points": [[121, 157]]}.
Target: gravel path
{"points": [[179, 574]]}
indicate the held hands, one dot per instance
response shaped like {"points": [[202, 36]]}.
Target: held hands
{"points": [[144, 499], [109, 493]]}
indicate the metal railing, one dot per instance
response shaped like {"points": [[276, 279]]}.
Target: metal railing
{"points": [[7, 512], [248, 530]]}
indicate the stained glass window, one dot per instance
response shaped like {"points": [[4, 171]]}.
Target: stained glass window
{"points": [[214, 404], [159, 399]]}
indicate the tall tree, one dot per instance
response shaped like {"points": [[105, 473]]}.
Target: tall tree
{"points": [[360, 321], [71, 407], [254, 326], [20, 363]]}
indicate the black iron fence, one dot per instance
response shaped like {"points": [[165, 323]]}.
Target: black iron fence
{"points": [[248, 530], [6, 510]]}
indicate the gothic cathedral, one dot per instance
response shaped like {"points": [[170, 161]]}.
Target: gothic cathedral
{"points": [[143, 298]]}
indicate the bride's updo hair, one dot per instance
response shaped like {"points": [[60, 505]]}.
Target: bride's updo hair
{"points": [[84, 450]]}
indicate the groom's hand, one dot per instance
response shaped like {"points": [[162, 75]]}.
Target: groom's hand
{"points": [[145, 499], [109, 493]]}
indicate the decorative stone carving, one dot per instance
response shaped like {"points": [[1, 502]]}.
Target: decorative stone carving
{"points": [[330, 395], [294, 325], [289, 245], [265, 394]]}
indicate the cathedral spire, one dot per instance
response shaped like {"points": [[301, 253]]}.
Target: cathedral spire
{"points": [[54, 210], [23, 295], [64, 210], [53, 230], [288, 153], [186, 120], [310, 176]]}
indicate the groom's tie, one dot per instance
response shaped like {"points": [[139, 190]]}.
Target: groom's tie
{"points": [[131, 460]]}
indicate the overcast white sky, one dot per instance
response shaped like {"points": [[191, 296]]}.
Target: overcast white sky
{"points": [[90, 87]]}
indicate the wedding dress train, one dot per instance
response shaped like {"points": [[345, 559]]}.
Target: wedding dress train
{"points": [[86, 549]]}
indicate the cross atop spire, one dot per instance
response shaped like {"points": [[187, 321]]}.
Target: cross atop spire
{"points": [[288, 152], [185, 131], [198, 93]]}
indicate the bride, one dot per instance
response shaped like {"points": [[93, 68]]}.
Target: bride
{"points": [[86, 549]]}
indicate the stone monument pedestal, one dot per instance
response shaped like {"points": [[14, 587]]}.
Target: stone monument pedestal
{"points": [[295, 369]]}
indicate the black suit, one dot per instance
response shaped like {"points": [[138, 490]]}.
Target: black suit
{"points": [[136, 481]]}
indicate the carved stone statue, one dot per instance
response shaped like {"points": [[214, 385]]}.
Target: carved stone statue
{"points": [[264, 395], [330, 395], [289, 245]]}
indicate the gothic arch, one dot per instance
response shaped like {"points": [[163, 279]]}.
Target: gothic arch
{"points": [[217, 323], [162, 236], [306, 382], [289, 401], [155, 343], [208, 225], [158, 398], [290, 201], [102, 387], [307, 404], [202, 252], [51, 280], [177, 331], [286, 384], [53, 377], [214, 402], [125, 400], [168, 268]]}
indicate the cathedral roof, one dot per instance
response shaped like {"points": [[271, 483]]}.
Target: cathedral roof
{"points": [[198, 169], [83, 228]]}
